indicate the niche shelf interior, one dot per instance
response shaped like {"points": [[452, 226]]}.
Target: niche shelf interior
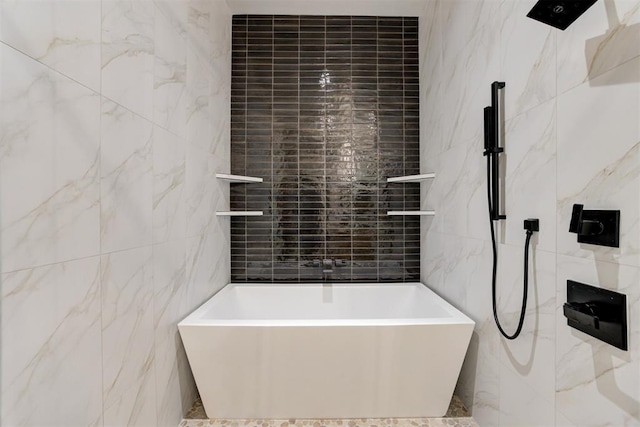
{"points": [[411, 178], [238, 179]]}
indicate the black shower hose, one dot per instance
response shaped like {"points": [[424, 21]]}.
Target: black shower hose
{"points": [[525, 286]]}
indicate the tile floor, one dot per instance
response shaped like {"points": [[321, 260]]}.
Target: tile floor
{"points": [[456, 416]]}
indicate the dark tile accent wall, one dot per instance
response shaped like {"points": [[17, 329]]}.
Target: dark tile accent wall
{"points": [[325, 109]]}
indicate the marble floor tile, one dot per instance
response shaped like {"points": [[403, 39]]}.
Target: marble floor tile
{"points": [[456, 416], [364, 422]]}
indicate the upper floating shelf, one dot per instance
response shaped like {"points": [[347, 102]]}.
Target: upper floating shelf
{"points": [[411, 213], [239, 213], [412, 178], [238, 178]]}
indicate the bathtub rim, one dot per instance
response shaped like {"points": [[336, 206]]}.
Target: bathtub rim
{"points": [[456, 317]]}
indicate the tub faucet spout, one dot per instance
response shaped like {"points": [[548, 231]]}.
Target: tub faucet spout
{"points": [[327, 266]]}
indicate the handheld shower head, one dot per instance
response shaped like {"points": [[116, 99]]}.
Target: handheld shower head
{"points": [[559, 13]]}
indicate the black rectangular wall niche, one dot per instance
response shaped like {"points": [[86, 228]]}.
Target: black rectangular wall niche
{"points": [[325, 109]]}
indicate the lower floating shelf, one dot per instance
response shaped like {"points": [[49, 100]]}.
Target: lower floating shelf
{"points": [[409, 213], [238, 178], [412, 178], [239, 213]]}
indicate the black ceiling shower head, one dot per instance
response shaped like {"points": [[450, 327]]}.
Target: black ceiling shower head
{"points": [[559, 13]]}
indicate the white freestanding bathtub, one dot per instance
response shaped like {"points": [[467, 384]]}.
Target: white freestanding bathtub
{"points": [[326, 351]]}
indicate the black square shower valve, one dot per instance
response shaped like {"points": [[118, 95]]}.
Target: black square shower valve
{"points": [[598, 312], [596, 227]]}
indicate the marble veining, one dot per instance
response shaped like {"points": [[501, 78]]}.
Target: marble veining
{"points": [[170, 69], [571, 136], [127, 179], [127, 326], [62, 34], [170, 306], [100, 104], [604, 39], [470, 62], [531, 156], [593, 369], [201, 189], [49, 170], [532, 77], [614, 164], [148, 170], [169, 169], [128, 54], [529, 358], [46, 357]]}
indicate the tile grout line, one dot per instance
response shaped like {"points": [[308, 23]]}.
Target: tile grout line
{"points": [[102, 373], [274, 144]]}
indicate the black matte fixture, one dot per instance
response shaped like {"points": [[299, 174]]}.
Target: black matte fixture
{"points": [[559, 13], [493, 150], [596, 227], [531, 225], [598, 312]]}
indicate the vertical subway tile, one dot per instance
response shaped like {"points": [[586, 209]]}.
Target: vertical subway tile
{"points": [[314, 114]]}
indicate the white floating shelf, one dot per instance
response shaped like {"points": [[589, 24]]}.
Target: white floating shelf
{"points": [[412, 178], [239, 213], [238, 178], [410, 213]]}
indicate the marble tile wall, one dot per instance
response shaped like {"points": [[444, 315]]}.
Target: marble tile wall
{"points": [[113, 121], [572, 107]]}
